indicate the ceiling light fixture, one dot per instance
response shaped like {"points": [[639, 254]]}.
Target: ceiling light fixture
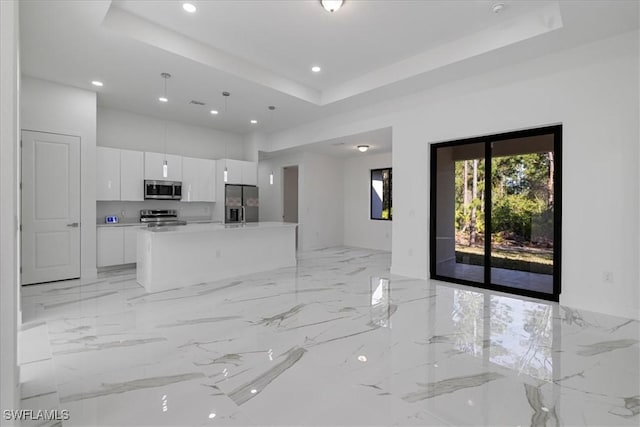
{"points": [[271, 178], [363, 148], [331, 5], [316, 69], [164, 97], [214, 112], [254, 122], [497, 7], [189, 7], [97, 83]]}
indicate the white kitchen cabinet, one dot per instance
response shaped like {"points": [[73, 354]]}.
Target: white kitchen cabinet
{"points": [[116, 245], [153, 163], [119, 174], [131, 175], [198, 180], [238, 171], [130, 244], [234, 171], [107, 173], [207, 180], [189, 179], [110, 245]]}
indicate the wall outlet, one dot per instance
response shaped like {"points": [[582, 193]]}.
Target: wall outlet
{"points": [[607, 276]]}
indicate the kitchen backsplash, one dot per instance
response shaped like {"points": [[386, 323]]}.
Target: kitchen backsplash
{"points": [[130, 211]]}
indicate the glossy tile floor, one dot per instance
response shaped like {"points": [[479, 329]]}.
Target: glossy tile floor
{"points": [[499, 276], [336, 341]]}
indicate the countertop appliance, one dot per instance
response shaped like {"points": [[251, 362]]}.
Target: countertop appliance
{"points": [[111, 219], [160, 217], [162, 190], [241, 203]]}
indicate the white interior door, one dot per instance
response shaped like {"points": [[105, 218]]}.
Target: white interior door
{"points": [[50, 207]]}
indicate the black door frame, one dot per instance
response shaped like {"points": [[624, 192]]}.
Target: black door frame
{"points": [[556, 130]]}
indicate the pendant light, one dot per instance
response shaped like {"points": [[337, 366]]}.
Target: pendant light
{"points": [[272, 109], [225, 174], [165, 99]]}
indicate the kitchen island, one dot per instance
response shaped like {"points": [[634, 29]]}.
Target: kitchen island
{"points": [[178, 256]]}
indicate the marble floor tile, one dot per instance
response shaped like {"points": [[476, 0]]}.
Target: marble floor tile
{"points": [[336, 341]]}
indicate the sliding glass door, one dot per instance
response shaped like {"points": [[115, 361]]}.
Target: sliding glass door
{"points": [[495, 212]]}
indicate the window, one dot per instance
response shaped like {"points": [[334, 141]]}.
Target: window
{"points": [[381, 207]]}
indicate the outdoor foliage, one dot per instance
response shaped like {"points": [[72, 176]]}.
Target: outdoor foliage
{"points": [[522, 199], [522, 191]]}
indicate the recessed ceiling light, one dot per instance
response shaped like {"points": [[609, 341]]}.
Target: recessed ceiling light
{"points": [[316, 69], [497, 7], [214, 112], [331, 5], [189, 7], [254, 122], [163, 99], [363, 148], [97, 83]]}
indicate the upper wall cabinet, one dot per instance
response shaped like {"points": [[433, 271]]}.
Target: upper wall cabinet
{"points": [[119, 174], [153, 166], [131, 175], [198, 180], [107, 173], [238, 171]]}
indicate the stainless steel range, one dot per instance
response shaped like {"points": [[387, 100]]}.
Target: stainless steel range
{"points": [[160, 217]]}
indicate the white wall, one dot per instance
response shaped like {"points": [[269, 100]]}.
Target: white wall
{"points": [[359, 229], [50, 107], [123, 129], [320, 197], [252, 142], [9, 136], [593, 91]]}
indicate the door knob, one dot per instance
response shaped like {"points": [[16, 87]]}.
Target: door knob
{"points": [[73, 224]]}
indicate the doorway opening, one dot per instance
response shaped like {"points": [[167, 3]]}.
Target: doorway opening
{"points": [[496, 212], [290, 196]]}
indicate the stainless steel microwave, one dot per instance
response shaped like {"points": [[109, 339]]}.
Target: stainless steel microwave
{"points": [[162, 190]]}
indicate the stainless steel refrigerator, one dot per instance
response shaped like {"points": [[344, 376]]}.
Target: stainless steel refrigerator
{"points": [[241, 203]]}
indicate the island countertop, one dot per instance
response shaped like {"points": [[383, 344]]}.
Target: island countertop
{"points": [[175, 256], [208, 227]]}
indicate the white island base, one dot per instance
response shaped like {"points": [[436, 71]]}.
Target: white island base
{"points": [[186, 255]]}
